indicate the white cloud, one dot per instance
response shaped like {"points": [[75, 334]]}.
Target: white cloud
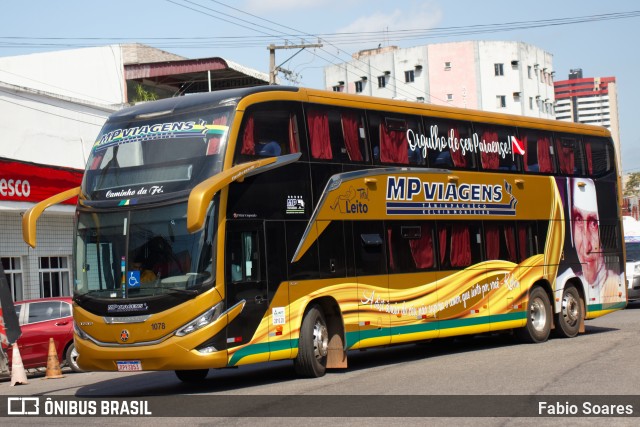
{"points": [[418, 16], [261, 6]]}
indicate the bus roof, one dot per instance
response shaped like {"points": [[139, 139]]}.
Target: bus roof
{"points": [[200, 100]]}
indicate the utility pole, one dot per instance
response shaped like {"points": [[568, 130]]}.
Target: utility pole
{"points": [[273, 70]]}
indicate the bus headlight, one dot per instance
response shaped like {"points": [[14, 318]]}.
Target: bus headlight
{"points": [[79, 332], [201, 321]]}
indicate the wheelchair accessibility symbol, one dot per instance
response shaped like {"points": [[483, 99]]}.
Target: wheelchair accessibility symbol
{"points": [[134, 278]]}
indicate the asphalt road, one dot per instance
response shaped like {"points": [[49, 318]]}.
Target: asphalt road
{"points": [[602, 362]]}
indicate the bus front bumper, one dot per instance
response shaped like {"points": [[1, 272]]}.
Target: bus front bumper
{"points": [[173, 354]]}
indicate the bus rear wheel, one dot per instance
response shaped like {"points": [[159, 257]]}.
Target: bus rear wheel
{"points": [[313, 345], [539, 314], [571, 314], [192, 375]]}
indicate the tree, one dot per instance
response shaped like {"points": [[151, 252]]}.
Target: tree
{"points": [[632, 187], [143, 95]]}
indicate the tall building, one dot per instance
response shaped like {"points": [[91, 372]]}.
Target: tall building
{"points": [[500, 76], [589, 100]]}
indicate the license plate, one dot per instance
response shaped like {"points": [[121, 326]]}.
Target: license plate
{"points": [[129, 365]]}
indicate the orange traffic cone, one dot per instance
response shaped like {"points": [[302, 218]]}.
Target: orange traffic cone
{"points": [[53, 365], [18, 375]]}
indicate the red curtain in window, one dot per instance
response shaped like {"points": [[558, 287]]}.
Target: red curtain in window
{"points": [[392, 264], [350, 132], [458, 159], [422, 248], [248, 138], [510, 239], [544, 155], [442, 240], [460, 246], [394, 147], [318, 122], [489, 160], [293, 144], [522, 242], [213, 146], [566, 159], [492, 241], [587, 147]]}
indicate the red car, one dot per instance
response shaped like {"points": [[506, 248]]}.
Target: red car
{"points": [[41, 319]]}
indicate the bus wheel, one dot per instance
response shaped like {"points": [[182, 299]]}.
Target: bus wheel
{"points": [[571, 314], [313, 345], [538, 317], [192, 375], [72, 358]]}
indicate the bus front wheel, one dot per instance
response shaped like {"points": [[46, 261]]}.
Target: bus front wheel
{"points": [[571, 313], [313, 345], [192, 375], [539, 315]]}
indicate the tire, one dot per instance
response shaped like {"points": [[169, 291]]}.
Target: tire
{"points": [[192, 375], [313, 345], [571, 314], [71, 358], [539, 315]]}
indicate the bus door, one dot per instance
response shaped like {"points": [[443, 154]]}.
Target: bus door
{"points": [[373, 283], [246, 280]]}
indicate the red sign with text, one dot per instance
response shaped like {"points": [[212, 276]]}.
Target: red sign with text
{"points": [[30, 182]]}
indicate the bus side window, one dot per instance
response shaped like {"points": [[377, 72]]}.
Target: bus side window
{"points": [[410, 247], [244, 265], [570, 158], [500, 241], [319, 135], [442, 155], [499, 151], [267, 131], [598, 158], [459, 244], [353, 136], [539, 155]]}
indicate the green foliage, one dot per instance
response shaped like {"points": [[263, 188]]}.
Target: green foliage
{"points": [[632, 187], [143, 95]]}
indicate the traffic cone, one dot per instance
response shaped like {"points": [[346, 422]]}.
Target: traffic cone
{"points": [[18, 375], [53, 364]]}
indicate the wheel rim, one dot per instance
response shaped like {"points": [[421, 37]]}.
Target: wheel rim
{"points": [[538, 314], [320, 340], [74, 358], [570, 309]]}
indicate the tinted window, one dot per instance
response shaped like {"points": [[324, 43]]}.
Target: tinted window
{"points": [[539, 155], [598, 155], [445, 143], [42, 311], [497, 149]]}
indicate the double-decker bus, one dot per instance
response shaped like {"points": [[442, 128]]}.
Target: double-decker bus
{"points": [[248, 225]]}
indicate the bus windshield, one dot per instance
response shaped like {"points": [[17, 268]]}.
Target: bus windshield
{"points": [[149, 156], [142, 253]]}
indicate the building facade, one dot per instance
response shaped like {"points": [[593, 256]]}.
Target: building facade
{"points": [[589, 100], [507, 77]]}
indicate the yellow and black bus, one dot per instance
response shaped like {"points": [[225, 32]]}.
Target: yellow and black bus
{"points": [[269, 223]]}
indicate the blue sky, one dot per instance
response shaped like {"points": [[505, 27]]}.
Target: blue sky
{"points": [[207, 28]]}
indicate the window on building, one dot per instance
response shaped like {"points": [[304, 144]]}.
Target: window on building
{"points": [[382, 81], [531, 103], [54, 277], [501, 101], [338, 88], [359, 86], [409, 76], [449, 97], [447, 66], [499, 69], [13, 272]]}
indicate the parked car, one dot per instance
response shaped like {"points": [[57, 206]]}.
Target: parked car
{"points": [[41, 319]]}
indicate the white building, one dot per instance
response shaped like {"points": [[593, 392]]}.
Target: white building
{"points": [[508, 77]]}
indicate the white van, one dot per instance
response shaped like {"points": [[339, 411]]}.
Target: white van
{"points": [[632, 245]]}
